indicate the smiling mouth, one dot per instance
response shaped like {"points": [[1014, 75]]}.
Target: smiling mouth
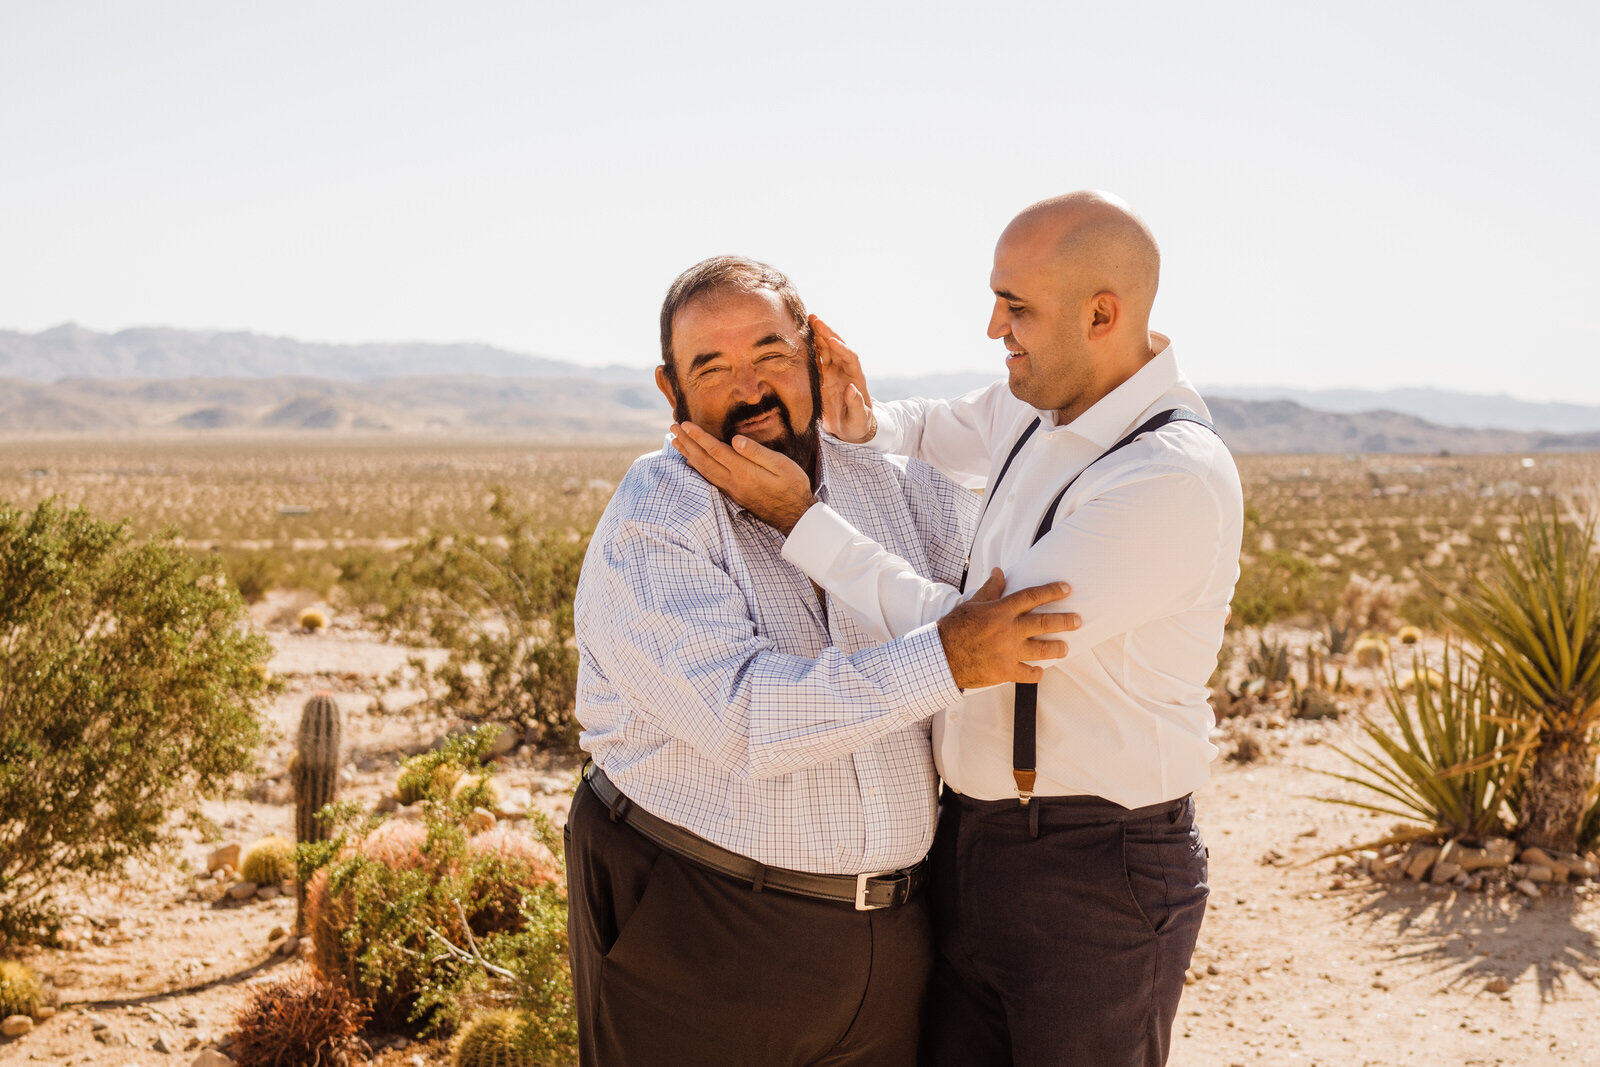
{"points": [[757, 422], [1012, 357]]}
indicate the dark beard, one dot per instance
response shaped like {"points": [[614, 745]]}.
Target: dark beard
{"points": [[800, 447]]}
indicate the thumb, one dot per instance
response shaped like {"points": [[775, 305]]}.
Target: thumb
{"points": [[992, 587]]}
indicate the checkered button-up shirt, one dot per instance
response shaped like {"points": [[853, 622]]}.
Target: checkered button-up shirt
{"points": [[718, 692]]}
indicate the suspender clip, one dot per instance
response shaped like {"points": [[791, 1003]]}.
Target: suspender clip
{"points": [[1025, 780]]}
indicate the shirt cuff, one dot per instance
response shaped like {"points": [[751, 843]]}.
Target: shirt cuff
{"points": [[816, 541], [926, 684]]}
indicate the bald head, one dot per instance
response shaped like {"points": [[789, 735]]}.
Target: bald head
{"points": [[1074, 279], [1093, 242]]}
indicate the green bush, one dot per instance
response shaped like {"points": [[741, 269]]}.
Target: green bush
{"points": [[502, 608], [127, 694], [428, 924]]}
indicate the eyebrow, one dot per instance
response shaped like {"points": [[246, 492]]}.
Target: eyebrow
{"points": [[770, 339], [1007, 294]]}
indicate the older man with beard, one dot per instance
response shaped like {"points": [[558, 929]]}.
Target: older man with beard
{"points": [[746, 850]]}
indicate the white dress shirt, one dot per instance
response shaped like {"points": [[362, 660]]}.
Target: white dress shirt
{"points": [[717, 692], [1149, 540]]}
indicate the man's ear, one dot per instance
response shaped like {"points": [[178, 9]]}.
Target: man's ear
{"points": [[664, 383], [1105, 312]]}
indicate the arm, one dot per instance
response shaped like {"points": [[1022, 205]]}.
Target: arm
{"points": [[689, 660], [1137, 550]]}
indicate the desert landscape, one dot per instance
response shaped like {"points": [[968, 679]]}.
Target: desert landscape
{"points": [[1306, 957]]}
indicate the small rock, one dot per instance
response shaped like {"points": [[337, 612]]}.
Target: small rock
{"points": [[1190, 977], [211, 1058], [268, 892], [226, 856], [164, 1042], [402, 1043], [97, 1023], [277, 932], [15, 1025], [1444, 871], [1419, 860], [112, 1038], [1528, 889], [479, 821], [1540, 875], [1500, 846], [1212, 968], [387, 804], [290, 946], [1477, 859], [188, 1020], [1498, 984], [507, 739], [46, 1011], [243, 890]]}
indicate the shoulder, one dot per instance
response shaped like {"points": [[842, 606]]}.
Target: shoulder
{"points": [[661, 489], [861, 463]]}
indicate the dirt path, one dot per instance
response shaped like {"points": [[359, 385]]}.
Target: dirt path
{"points": [[1299, 964]]}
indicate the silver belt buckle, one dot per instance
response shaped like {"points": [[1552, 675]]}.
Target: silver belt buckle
{"points": [[861, 892]]}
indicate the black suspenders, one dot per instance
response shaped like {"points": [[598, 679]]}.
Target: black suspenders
{"points": [[1025, 721]]}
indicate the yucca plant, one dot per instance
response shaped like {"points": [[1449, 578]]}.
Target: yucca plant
{"points": [[1535, 615], [1452, 760]]}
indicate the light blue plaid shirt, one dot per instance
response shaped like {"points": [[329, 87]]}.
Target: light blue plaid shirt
{"points": [[716, 692]]}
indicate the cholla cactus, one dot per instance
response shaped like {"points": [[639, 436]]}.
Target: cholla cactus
{"points": [[489, 1042], [268, 861], [20, 991]]}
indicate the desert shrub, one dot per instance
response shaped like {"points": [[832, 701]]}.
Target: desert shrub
{"points": [[20, 991], [502, 608], [1274, 584], [1452, 760], [299, 1022], [127, 694], [1535, 613], [268, 861], [407, 914]]}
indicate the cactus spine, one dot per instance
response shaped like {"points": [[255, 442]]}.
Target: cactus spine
{"points": [[488, 1042], [316, 777], [20, 991]]}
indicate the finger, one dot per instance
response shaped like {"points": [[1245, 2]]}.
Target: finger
{"points": [[1048, 623], [992, 587], [1036, 649], [714, 450], [1027, 672], [822, 329], [759, 454], [1027, 599], [689, 440]]}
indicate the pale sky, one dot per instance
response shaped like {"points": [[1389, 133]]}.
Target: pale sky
{"points": [[1350, 194]]}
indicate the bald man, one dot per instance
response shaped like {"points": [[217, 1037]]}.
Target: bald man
{"points": [[1069, 879]]}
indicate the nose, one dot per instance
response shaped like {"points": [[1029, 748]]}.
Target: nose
{"points": [[747, 384], [999, 320]]}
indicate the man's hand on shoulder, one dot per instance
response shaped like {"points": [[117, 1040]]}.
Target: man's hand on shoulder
{"points": [[989, 638], [846, 404], [768, 484]]}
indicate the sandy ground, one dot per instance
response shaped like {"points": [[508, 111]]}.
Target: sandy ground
{"points": [[1298, 963]]}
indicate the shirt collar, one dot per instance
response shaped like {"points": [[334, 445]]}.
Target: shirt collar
{"points": [[1109, 417]]}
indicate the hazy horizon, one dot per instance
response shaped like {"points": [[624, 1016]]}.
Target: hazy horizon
{"points": [[1373, 196]]}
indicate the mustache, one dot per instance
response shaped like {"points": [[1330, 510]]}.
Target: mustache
{"points": [[740, 412]]}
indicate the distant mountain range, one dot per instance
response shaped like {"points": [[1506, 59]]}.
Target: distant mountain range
{"points": [[70, 380]]}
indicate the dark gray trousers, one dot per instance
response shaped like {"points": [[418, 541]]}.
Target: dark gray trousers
{"points": [[1064, 930], [673, 964]]}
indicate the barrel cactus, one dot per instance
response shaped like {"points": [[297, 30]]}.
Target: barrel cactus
{"points": [[316, 777], [489, 1041], [20, 991], [1372, 652], [268, 861]]}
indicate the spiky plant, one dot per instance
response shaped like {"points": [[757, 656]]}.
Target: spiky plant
{"points": [[20, 991], [491, 1041], [268, 861], [1452, 760], [300, 1021], [1535, 614]]}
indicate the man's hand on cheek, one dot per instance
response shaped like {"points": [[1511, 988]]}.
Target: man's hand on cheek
{"points": [[768, 484]]}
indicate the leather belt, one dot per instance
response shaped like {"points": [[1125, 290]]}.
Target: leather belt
{"points": [[867, 892]]}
